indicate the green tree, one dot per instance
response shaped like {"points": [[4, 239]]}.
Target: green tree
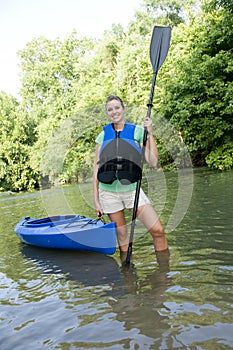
{"points": [[49, 71], [166, 12], [198, 94], [17, 136], [51, 130]]}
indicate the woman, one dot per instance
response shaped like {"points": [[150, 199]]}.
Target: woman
{"points": [[115, 175]]}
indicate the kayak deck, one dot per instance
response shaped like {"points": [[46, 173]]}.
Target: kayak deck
{"points": [[68, 232]]}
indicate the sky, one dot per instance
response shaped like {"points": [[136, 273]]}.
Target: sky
{"points": [[23, 20]]}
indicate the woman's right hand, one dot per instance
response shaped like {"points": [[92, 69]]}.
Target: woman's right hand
{"points": [[99, 211]]}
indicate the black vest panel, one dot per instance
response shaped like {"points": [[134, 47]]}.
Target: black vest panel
{"points": [[120, 157]]}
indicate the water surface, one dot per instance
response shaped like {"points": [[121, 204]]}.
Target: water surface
{"points": [[73, 300]]}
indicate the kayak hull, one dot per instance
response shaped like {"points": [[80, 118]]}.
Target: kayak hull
{"points": [[73, 232]]}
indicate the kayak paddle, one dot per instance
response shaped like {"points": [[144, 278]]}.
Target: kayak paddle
{"points": [[159, 46]]}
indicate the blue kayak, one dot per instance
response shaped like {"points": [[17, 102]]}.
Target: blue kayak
{"points": [[74, 232]]}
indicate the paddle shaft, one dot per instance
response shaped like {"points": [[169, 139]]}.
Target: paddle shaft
{"points": [[158, 53], [136, 199]]}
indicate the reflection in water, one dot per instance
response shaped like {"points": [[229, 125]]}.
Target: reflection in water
{"points": [[135, 302], [88, 269], [72, 300], [142, 299]]}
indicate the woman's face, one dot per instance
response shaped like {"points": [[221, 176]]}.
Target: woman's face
{"points": [[115, 111]]}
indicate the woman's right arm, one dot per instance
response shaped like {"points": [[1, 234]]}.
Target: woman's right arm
{"points": [[99, 210]]}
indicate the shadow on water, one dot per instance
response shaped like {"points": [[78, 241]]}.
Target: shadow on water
{"points": [[89, 268]]}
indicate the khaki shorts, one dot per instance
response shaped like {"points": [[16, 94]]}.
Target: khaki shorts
{"points": [[112, 202]]}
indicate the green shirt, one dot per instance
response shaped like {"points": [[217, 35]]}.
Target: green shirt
{"points": [[116, 186]]}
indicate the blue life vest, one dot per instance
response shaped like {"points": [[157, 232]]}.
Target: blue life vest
{"points": [[120, 156]]}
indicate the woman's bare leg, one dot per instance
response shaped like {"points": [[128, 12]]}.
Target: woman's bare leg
{"points": [[122, 235], [148, 216]]}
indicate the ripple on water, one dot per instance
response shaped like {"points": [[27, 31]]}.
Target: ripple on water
{"points": [[72, 301]]}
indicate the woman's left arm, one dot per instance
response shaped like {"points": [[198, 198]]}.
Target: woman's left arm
{"points": [[151, 151]]}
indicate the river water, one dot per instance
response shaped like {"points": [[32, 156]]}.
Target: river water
{"points": [[73, 300]]}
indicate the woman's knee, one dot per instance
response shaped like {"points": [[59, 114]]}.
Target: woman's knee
{"points": [[157, 231]]}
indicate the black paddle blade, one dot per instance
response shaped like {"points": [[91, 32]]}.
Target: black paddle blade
{"points": [[159, 46]]}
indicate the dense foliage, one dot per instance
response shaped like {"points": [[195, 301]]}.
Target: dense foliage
{"points": [[49, 135]]}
